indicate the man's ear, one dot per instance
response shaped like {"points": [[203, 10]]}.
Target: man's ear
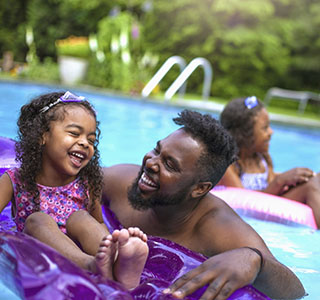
{"points": [[201, 189]]}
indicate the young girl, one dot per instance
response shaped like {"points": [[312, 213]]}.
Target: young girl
{"points": [[60, 174], [248, 121]]}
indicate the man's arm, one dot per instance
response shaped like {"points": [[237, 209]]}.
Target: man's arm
{"points": [[233, 265]]}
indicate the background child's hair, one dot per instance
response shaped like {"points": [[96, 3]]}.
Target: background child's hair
{"points": [[32, 124], [239, 120]]}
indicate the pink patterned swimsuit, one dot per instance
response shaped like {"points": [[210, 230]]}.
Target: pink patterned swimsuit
{"points": [[58, 202]]}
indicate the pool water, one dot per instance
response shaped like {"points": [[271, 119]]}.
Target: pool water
{"points": [[132, 128]]}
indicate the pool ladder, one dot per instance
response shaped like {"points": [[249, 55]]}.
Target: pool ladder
{"points": [[181, 81]]}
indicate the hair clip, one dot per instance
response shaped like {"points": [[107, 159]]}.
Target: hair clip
{"points": [[251, 102], [66, 97], [69, 97]]}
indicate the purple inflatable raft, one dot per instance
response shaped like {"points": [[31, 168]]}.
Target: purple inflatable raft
{"points": [[31, 270]]}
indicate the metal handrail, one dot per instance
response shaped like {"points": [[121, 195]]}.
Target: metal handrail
{"points": [[169, 63], [182, 78]]}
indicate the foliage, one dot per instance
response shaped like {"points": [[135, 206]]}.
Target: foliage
{"points": [[251, 45], [12, 28], [74, 46], [120, 44], [47, 71], [58, 19]]}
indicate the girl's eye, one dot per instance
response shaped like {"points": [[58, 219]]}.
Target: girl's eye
{"points": [[91, 141], [74, 133], [155, 150]]}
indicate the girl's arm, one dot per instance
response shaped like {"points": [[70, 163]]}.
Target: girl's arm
{"points": [[278, 183], [96, 212], [231, 178], [6, 191]]}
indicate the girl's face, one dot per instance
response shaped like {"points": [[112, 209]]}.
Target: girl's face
{"points": [[262, 131], [68, 146]]}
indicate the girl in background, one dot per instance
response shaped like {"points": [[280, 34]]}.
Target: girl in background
{"points": [[248, 122]]}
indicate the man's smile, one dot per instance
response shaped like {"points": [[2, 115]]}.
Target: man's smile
{"points": [[146, 183]]}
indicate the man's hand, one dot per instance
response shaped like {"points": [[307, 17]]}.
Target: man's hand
{"points": [[224, 273]]}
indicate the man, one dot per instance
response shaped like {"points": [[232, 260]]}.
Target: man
{"points": [[168, 196]]}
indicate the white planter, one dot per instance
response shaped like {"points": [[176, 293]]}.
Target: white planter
{"points": [[72, 69]]}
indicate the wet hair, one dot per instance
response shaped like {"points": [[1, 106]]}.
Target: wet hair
{"points": [[32, 124], [219, 147], [239, 121]]}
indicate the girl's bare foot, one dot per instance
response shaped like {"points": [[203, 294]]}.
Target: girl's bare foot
{"points": [[105, 257], [132, 255]]}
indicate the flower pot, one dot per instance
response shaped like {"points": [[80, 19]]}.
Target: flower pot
{"points": [[72, 69]]}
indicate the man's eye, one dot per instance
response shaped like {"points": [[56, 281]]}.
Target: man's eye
{"points": [[170, 166], [155, 150]]}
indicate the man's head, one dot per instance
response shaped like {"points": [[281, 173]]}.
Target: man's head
{"points": [[219, 149], [187, 163]]}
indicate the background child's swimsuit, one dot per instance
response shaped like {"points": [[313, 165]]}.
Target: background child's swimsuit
{"points": [[58, 202], [255, 181]]}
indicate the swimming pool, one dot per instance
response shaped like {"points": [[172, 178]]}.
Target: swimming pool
{"points": [[131, 128]]}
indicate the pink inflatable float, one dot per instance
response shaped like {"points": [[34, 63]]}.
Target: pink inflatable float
{"points": [[266, 207]]}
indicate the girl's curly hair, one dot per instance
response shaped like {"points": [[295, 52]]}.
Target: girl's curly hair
{"points": [[32, 124]]}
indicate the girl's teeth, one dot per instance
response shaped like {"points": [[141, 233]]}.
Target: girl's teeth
{"points": [[78, 155]]}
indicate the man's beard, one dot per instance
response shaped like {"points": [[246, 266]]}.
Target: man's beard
{"points": [[157, 199]]}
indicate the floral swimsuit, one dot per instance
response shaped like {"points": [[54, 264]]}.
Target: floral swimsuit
{"points": [[58, 202]]}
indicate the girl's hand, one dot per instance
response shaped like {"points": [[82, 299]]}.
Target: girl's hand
{"points": [[293, 177]]}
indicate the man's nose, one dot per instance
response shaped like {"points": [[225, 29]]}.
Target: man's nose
{"points": [[152, 163]]}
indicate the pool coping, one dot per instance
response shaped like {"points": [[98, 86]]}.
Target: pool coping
{"points": [[275, 118]]}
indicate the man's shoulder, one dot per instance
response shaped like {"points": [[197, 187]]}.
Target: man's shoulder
{"points": [[214, 212], [122, 170], [212, 202], [216, 221], [117, 178], [122, 167]]}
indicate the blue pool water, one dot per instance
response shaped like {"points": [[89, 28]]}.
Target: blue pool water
{"points": [[131, 128]]}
